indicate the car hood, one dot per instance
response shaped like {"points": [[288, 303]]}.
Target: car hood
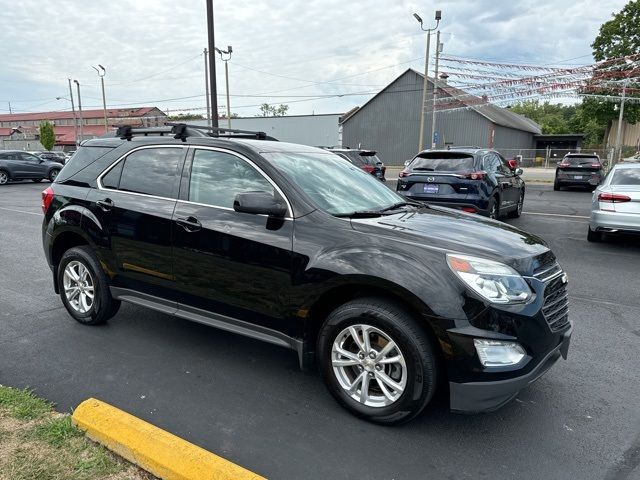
{"points": [[452, 230]]}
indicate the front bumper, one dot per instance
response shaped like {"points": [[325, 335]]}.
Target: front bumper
{"points": [[474, 397]]}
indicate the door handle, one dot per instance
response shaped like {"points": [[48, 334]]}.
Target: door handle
{"points": [[105, 204], [190, 224]]}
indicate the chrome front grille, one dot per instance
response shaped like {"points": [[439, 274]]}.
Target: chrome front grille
{"points": [[547, 271]]}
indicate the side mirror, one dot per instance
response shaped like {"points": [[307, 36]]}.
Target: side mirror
{"points": [[519, 171], [512, 164], [259, 203]]}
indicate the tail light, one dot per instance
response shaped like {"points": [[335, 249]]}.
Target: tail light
{"points": [[613, 198], [47, 198], [564, 164], [473, 175], [595, 165], [469, 209], [368, 168], [403, 174]]}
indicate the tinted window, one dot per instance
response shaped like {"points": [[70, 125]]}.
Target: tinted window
{"points": [[8, 156], [626, 176], [112, 179], [453, 162], [492, 164], [217, 177], [84, 157], [581, 159], [29, 157], [151, 171]]}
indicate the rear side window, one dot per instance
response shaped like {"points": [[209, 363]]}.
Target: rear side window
{"points": [[626, 176], [151, 171], [443, 162], [217, 177], [112, 178], [82, 158]]}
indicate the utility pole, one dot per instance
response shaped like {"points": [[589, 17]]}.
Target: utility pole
{"points": [[79, 111], [435, 91], [206, 85], [222, 53], [618, 154], [423, 110], [101, 73], [10, 112], [212, 66], [73, 109]]}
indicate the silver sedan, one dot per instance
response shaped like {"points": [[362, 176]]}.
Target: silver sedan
{"points": [[616, 203]]}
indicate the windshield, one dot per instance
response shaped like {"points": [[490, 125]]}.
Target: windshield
{"points": [[333, 184], [626, 176], [443, 162]]}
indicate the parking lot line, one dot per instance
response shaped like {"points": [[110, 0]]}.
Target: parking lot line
{"points": [[20, 211], [556, 215]]}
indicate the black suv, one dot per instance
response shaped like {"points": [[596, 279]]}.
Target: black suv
{"points": [[367, 160], [471, 179], [578, 170], [295, 246]]}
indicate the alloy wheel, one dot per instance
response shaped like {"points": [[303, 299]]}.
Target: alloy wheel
{"points": [[78, 286], [493, 214], [53, 175], [4, 178], [520, 203], [369, 365]]}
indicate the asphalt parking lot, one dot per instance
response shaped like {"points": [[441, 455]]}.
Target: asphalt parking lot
{"points": [[248, 401]]}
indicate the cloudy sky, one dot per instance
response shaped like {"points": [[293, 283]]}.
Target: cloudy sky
{"points": [[301, 53]]}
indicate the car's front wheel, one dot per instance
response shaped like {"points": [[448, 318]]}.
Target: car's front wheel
{"points": [[4, 177], [53, 174], [377, 361], [518, 210], [84, 289]]}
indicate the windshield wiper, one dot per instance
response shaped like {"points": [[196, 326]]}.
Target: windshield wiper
{"points": [[398, 205]]}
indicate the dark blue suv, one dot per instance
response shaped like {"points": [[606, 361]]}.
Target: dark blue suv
{"points": [[471, 179]]}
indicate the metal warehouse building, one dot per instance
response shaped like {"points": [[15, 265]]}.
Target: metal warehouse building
{"points": [[390, 121]]}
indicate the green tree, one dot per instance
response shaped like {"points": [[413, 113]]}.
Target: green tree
{"points": [[47, 135], [618, 37], [267, 110], [186, 116]]}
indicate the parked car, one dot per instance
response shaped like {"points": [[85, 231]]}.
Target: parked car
{"points": [[471, 179], [615, 204], [578, 169], [292, 245], [52, 156], [367, 160], [19, 165]]}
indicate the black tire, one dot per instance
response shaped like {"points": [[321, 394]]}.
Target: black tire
{"points": [[37, 180], [493, 211], [103, 306], [518, 210], [556, 186], [4, 177], [416, 347], [594, 236], [53, 173]]}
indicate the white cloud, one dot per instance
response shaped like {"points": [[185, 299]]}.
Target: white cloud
{"points": [[319, 41]]}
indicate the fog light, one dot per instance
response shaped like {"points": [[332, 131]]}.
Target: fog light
{"points": [[495, 353]]}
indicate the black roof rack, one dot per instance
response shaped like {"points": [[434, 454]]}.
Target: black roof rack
{"points": [[182, 131]]}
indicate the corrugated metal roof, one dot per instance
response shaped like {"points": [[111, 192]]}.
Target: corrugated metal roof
{"points": [[497, 115], [111, 113]]}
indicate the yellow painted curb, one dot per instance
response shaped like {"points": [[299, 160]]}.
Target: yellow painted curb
{"points": [[151, 448]]}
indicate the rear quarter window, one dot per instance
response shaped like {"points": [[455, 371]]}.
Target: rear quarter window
{"points": [[81, 159]]}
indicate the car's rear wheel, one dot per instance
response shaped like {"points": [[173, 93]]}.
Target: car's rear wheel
{"points": [[556, 186], [84, 289], [594, 236], [53, 174], [377, 361], [4, 177], [518, 210]]}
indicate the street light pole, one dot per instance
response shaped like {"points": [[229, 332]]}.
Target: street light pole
{"points": [[73, 109], [206, 85], [222, 53], [435, 91], [423, 110], [212, 66], [79, 140], [618, 154], [101, 73]]}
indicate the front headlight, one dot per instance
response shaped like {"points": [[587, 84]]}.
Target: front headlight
{"points": [[494, 281]]}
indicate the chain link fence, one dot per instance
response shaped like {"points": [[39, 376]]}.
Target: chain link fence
{"points": [[548, 157]]}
